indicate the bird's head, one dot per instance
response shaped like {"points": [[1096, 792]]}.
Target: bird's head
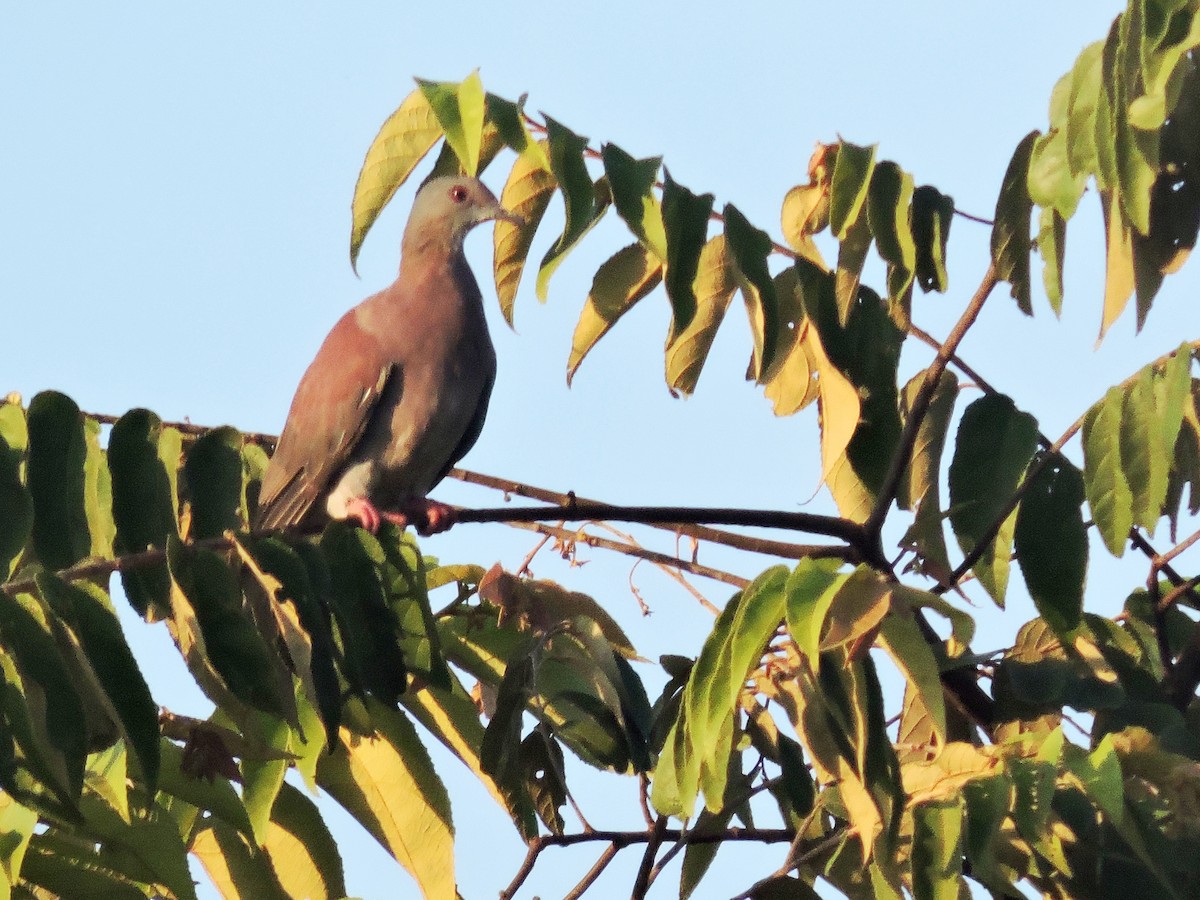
{"points": [[447, 207]]}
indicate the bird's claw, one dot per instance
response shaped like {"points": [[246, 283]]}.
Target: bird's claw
{"points": [[428, 516], [364, 511]]}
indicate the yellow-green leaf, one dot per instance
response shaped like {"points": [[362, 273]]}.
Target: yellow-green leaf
{"points": [[711, 291], [527, 193], [1010, 233], [460, 110], [621, 281], [388, 784], [408, 134]]}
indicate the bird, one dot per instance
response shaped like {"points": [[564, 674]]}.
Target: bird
{"points": [[398, 391]]}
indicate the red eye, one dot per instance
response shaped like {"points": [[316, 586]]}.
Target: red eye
{"points": [[458, 193]]}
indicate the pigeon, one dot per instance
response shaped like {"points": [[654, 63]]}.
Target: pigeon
{"points": [[398, 392]]}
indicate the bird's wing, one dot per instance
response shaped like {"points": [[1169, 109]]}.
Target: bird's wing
{"points": [[332, 409], [474, 428]]}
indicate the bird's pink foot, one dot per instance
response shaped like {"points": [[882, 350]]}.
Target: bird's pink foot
{"points": [[437, 517], [364, 511]]}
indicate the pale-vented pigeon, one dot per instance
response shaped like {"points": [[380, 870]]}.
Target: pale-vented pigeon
{"points": [[398, 391]]}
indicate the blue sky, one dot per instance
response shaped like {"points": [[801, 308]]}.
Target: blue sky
{"points": [[175, 182]]}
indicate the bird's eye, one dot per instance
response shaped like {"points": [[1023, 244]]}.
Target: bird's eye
{"points": [[458, 193]]}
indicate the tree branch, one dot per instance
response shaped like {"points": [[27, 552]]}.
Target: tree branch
{"points": [[920, 406], [764, 546], [619, 840]]}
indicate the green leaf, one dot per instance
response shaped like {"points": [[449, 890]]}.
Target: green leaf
{"points": [[89, 612], [919, 486], [59, 863], [408, 134], [632, 182], [215, 793], [542, 765], [509, 121], [527, 193], [213, 470], [1051, 542], [1050, 182], [1108, 493], [1145, 460], [16, 828], [143, 458], [913, 656], [1082, 105], [859, 404], [234, 870], [366, 624], [936, 850], [585, 202], [852, 255], [304, 853], [16, 506], [790, 384], [621, 281], [987, 802], [56, 482], [710, 293], [367, 775], [234, 647], [932, 215], [994, 446], [810, 590], [97, 493], [1052, 245], [1011, 240], [848, 191], [858, 607], [459, 109], [685, 218], [748, 249], [148, 847], [1136, 151], [263, 778], [56, 715], [889, 210]]}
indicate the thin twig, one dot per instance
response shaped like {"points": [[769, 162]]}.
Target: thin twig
{"points": [[671, 569], [593, 873], [649, 555]]}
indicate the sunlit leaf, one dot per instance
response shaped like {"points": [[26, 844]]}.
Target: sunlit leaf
{"points": [[936, 850], [748, 249], [810, 591], [914, 657], [713, 288], [509, 121], [848, 190], [790, 384], [1052, 244], [403, 140], [852, 254], [368, 775], [1118, 265], [16, 522], [585, 202], [1144, 458], [1081, 120], [1108, 494], [459, 109], [1051, 183], [527, 193], [621, 281], [919, 487], [632, 182]]}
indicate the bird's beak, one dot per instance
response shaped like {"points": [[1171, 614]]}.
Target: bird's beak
{"points": [[503, 215]]}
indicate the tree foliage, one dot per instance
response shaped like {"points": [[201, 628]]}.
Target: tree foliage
{"points": [[324, 653]]}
